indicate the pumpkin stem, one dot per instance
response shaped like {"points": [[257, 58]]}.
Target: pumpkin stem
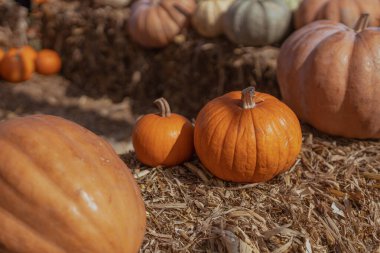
{"points": [[164, 107], [362, 23], [247, 96]]}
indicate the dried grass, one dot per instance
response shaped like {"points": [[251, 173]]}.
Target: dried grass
{"points": [[328, 202], [100, 58]]}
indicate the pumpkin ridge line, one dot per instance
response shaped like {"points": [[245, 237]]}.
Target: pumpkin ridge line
{"points": [[166, 8], [236, 139], [69, 139], [310, 57], [22, 152], [27, 227], [256, 148], [224, 145]]}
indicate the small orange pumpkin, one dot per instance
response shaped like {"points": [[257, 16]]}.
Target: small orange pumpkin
{"points": [[30, 51], [48, 62], [165, 139], [247, 136], [17, 65]]}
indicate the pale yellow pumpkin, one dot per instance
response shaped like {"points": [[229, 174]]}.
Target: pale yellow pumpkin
{"points": [[208, 17]]}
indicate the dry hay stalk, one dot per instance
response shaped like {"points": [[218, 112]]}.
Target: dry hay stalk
{"points": [[328, 202], [13, 24]]}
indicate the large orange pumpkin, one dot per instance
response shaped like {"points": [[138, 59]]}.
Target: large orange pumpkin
{"points": [[344, 11], [247, 136], [163, 139], [329, 74], [17, 65], [155, 23], [48, 62], [64, 190]]}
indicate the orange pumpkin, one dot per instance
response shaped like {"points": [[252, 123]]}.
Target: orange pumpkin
{"points": [[64, 189], [247, 136], [1, 54], [329, 74], [30, 51], [39, 1], [155, 23], [48, 62], [17, 65], [164, 139], [346, 12]]}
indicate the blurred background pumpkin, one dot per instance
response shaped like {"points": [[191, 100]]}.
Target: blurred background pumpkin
{"points": [[257, 22], [208, 17]]}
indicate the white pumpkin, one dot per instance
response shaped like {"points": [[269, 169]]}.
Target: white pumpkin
{"points": [[208, 18]]}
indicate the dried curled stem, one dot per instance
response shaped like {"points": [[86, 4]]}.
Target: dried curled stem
{"points": [[247, 96], [164, 107]]}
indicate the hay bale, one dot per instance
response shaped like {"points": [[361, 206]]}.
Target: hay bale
{"points": [[100, 58], [13, 24]]}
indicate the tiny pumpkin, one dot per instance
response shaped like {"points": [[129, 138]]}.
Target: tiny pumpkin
{"points": [[17, 65], [165, 139], [208, 17], [329, 74], [64, 189], [247, 136], [257, 22], [155, 23], [343, 11], [48, 62]]}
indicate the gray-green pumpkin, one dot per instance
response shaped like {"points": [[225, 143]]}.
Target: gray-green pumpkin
{"points": [[257, 22]]}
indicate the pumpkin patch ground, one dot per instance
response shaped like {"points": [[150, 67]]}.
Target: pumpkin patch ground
{"points": [[328, 201]]}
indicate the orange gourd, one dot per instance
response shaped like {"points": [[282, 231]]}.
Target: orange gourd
{"points": [[48, 62], [343, 11], [17, 65], [30, 52], [164, 139], [247, 136], [1, 54], [155, 23], [63, 189], [329, 74]]}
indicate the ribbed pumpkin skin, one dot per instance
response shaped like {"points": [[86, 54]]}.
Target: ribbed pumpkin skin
{"points": [[344, 11], [247, 145], [64, 190], [329, 75], [257, 22], [155, 23], [165, 141], [48, 62], [208, 17], [17, 65]]}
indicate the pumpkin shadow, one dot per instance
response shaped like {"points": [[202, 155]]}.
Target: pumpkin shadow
{"points": [[20, 102]]}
